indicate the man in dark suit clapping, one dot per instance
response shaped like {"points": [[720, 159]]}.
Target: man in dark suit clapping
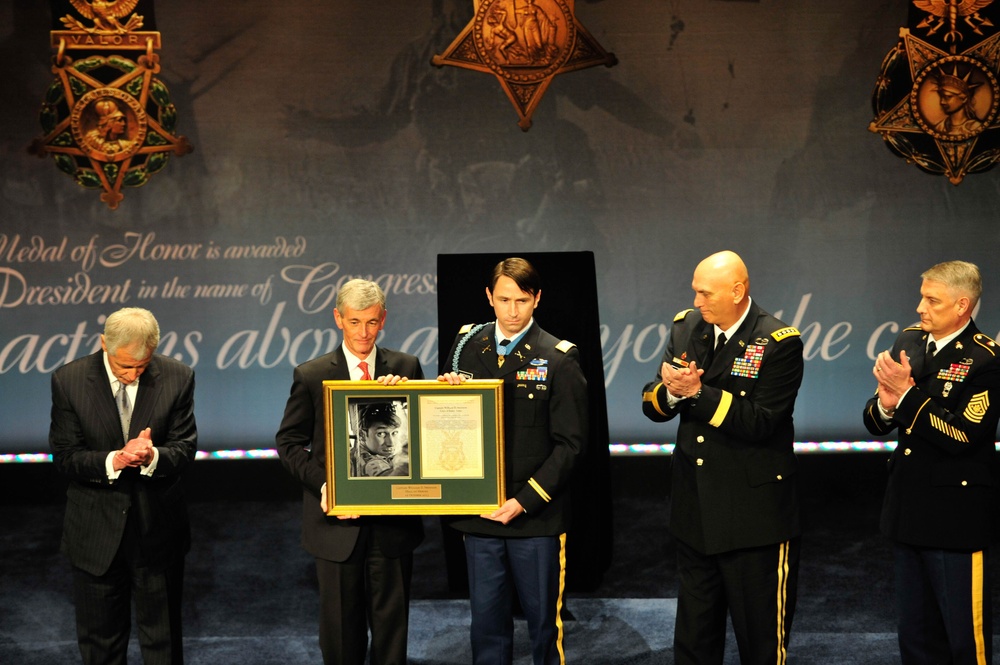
{"points": [[122, 431]]}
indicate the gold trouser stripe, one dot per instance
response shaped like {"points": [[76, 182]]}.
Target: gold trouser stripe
{"points": [[782, 598], [977, 607], [538, 488], [559, 600], [722, 410], [651, 398]]}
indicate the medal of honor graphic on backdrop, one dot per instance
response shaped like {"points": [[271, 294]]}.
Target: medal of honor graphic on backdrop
{"points": [[936, 98], [107, 119], [525, 44]]}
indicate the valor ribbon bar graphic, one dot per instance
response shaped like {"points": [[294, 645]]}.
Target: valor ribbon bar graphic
{"points": [[108, 121], [525, 44]]}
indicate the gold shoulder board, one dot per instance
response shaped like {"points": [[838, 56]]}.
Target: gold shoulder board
{"points": [[681, 314], [565, 346], [466, 328], [790, 331], [987, 343]]}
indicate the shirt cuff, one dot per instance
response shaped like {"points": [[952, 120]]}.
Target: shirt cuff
{"points": [[672, 400], [109, 466], [151, 467], [883, 413]]}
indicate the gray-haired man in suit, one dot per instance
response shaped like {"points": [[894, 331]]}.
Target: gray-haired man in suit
{"points": [[363, 564], [122, 431]]}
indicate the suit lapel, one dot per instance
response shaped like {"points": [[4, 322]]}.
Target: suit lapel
{"points": [[486, 354], [146, 397], [701, 345], [916, 351], [339, 369], [381, 364], [104, 401]]}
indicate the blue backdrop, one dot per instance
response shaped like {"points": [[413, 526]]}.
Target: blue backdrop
{"points": [[328, 147]]}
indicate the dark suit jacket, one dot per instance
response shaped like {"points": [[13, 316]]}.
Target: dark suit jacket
{"points": [[545, 424], [940, 492], [301, 441], [85, 428], [734, 469]]}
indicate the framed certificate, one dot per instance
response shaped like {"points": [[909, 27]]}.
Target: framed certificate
{"points": [[415, 448]]}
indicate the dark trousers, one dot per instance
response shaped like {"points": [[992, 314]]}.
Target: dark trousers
{"points": [[367, 591], [104, 609], [756, 586], [534, 568], [944, 607]]}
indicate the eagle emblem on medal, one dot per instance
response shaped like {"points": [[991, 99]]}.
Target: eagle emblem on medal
{"points": [[105, 16]]}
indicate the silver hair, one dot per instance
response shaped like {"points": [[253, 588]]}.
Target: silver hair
{"points": [[133, 329], [960, 277], [359, 294]]}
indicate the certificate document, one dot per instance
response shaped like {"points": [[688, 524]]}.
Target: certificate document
{"points": [[451, 434]]}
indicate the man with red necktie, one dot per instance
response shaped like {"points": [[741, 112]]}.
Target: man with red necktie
{"points": [[363, 564]]}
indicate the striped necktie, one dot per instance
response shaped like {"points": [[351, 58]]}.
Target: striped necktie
{"points": [[124, 409]]}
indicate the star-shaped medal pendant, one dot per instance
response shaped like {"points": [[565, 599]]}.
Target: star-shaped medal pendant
{"points": [[525, 44], [937, 98]]}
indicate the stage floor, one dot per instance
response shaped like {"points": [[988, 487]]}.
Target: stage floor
{"points": [[250, 592]]}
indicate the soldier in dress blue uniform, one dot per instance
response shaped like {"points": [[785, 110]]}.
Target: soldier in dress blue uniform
{"points": [[521, 546], [731, 372], [940, 386]]}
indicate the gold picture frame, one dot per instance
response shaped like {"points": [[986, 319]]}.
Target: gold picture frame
{"points": [[416, 448]]}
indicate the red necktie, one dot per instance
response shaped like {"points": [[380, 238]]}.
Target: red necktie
{"points": [[365, 376]]}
